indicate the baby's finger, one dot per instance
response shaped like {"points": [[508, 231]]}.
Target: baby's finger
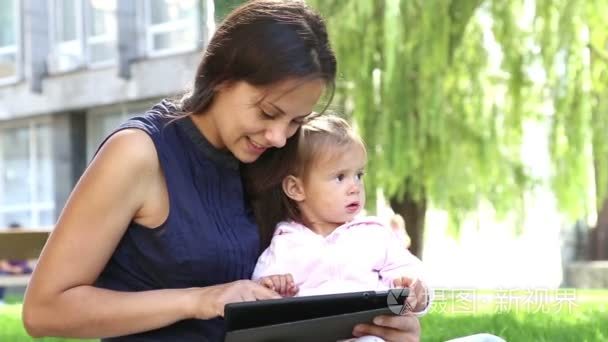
{"points": [[290, 280], [409, 282], [267, 283], [284, 283], [412, 302], [276, 283], [398, 282], [261, 293]]}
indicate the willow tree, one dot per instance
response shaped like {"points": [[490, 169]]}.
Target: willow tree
{"points": [[598, 44], [441, 90]]}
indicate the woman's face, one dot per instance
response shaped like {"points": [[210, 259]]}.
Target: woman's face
{"points": [[247, 120]]}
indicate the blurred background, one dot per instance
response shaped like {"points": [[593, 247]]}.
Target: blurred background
{"points": [[486, 121]]}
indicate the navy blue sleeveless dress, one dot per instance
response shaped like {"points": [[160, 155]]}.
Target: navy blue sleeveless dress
{"points": [[209, 236]]}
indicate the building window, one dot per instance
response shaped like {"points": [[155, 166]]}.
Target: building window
{"points": [[10, 62], [171, 26], [26, 175], [66, 35], [102, 121], [101, 29], [82, 32]]}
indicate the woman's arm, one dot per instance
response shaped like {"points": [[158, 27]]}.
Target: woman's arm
{"points": [[123, 183]]}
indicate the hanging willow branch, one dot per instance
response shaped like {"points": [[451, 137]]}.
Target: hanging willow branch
{"points": [[603, 55], [441, 91]]}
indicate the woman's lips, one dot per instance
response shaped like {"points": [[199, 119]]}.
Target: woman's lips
{"points": [[259, 149]]}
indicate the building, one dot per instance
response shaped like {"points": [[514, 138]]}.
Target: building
{"points": [[70, 71]]}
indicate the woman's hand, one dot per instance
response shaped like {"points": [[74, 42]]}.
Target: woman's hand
{"points": [[211, 300], [392, 328], [281, 283]]}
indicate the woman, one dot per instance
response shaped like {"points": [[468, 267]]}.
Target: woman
{"points": [[157, 236]]}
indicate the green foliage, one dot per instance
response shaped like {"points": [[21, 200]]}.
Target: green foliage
{"points": [[223, 7], [441, 92], [596, 13]]}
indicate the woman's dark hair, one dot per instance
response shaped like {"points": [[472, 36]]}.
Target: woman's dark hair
{"points": [[263, 42], [262, 180]]}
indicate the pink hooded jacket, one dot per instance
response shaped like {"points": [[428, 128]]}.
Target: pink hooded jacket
{"points": [[360, 255]]}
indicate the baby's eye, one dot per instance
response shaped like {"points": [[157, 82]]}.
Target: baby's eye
{"points": [[340, 177], [360, 175]]}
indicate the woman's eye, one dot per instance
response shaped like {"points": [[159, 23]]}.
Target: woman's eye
{"points": [[265, 114]]}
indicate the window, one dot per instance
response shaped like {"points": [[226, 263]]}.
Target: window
{"points": [[66, 35], [26, 175], [171, 26], [9, 41], [82, 32], [99, 125], [101, 31], [102, 121]]}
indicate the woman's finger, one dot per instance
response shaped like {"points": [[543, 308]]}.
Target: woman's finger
{"points": [[392, 328], [388, 334]]}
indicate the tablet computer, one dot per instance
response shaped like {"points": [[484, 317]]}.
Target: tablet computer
{"points": [[319, 318]]}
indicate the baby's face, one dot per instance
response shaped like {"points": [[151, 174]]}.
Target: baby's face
{"points": [[334, 191]]}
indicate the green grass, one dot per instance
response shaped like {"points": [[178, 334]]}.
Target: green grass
{"points": [[534, 315], [549, 315], [11, 327]]}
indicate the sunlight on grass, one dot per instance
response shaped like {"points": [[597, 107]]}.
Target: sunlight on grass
{"points": [[11, 327], [517, 315]]}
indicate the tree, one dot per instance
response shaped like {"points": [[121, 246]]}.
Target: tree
{"points": [[598, 44], [223, 7], [441, 89]]}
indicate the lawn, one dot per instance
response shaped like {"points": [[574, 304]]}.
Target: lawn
{"points": [[520, 315], [533, 315]]}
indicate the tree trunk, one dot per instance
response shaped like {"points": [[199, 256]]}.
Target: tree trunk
{"points": [[599, 238], [413, 213]]}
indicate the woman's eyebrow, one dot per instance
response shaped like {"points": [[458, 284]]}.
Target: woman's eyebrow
{"points": [[282, 112]]}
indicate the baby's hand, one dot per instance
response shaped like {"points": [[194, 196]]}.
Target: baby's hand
{"points": [[283, 284], [417, 298]]}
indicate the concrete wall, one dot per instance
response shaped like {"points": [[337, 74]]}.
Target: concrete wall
{"points": [[88, 88], [586, 274]]}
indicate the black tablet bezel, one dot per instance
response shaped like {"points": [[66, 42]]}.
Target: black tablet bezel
{"points": [[246, 315]]}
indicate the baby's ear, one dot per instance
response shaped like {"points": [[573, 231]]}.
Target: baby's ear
{"points": [[293, 188]]}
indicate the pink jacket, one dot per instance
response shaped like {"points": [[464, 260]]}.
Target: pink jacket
{"points": [[360, 255]]}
